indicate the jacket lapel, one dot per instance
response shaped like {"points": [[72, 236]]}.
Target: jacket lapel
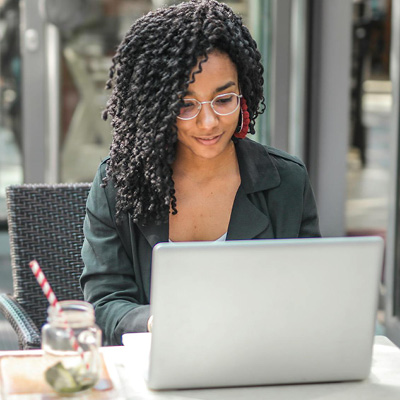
{"points": [[258, 174], [247, 221], [155, 233]]}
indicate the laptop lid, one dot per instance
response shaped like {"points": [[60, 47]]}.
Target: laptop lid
{"points": [[256, 312]]}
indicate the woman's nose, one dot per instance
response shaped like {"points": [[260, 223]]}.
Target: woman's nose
{"points": [[207, 119]]}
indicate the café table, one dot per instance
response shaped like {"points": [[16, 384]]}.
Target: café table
{"points": [[124, 373]]}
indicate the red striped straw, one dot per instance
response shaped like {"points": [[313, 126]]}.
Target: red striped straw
{"points": [[52, 299]]}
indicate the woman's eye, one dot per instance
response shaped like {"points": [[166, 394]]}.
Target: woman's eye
{"points": [[224, 100], [187, 104]]}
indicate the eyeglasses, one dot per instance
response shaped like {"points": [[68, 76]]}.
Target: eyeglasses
{"points": [[223, 104]]}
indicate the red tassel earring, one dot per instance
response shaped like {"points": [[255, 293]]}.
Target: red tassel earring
{"points": [[245, 117]]}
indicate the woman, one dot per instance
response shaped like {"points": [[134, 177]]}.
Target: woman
{"points": [[187, 88]]}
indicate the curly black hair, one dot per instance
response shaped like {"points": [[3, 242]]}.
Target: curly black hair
{"points": [[149, 76]]}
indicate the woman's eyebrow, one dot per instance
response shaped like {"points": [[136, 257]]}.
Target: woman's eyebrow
{"points": [[217, 90], [226, 86]]}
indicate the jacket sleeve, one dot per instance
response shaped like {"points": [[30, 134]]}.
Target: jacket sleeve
{"points": [[108, 279]]}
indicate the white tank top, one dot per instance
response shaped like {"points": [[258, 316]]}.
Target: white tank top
{"points": [[220, 239]]}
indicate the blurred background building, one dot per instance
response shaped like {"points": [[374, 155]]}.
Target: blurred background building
{"points": [[331, 85]]}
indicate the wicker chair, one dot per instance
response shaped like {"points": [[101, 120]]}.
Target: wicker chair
{"points": [[45, 223]]}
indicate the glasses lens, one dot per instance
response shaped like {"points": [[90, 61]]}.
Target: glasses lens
{"points": [[225, 104], [189, 109]]}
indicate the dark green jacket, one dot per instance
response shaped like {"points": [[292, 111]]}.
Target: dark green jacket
{"points": [[274, 200]]}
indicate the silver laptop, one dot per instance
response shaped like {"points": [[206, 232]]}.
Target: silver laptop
{"points": [[258, 312]]}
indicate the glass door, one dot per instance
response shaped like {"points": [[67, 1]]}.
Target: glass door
{"points": [[392, 265], [10, 101]]}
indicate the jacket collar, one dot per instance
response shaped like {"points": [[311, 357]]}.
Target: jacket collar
{"points": [[257, 169], [257, 173]]}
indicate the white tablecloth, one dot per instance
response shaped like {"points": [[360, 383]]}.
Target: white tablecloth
{"points": [[126, 368]]}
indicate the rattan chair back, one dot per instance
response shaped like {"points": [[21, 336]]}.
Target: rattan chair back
{"points": [[45, 223]]}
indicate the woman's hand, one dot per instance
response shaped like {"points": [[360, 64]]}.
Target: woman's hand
{"points": [[150, 323]]}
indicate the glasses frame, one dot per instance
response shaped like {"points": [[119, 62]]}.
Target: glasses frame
{"points": [[200, 105]]}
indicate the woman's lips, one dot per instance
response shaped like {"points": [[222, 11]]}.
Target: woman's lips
{"points": [[208, 141]]}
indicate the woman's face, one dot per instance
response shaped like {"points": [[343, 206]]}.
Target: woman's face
{"points": [[208, 135]]}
